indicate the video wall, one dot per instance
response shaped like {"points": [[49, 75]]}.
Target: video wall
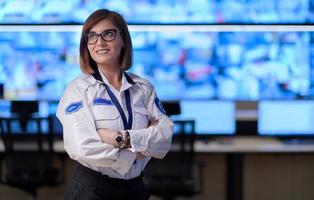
{"points": [[197, 67], [184, 63], [181, 64], [160, 11], [33, 64]]}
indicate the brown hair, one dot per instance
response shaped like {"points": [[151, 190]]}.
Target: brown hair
{"points": [[87, 64]]}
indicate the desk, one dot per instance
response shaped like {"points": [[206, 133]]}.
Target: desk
{"points": [[58, 146], [235, 148], [250, 145]]}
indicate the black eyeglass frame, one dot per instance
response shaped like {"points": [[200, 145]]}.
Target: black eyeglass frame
{"points": [[102, 35]]}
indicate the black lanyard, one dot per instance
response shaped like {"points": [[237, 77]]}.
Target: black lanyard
{"points": [[126, 123]]}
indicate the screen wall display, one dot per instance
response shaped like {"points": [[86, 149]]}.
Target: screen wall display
{"points": [[160, 11], [186, 64]]}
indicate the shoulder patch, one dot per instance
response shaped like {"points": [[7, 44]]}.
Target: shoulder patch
{"points": [[160, 106], [102, 101], [73, 107]]}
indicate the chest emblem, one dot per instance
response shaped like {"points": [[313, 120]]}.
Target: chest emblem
{"points": [[102, 101]]}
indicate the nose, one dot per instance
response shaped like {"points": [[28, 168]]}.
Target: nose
{"points": [[100, 41]]}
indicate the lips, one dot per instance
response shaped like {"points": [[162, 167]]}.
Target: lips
{"points": [[102, 51]]}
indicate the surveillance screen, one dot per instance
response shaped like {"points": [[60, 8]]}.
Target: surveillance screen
{"points": [[160, 11], [180, 64]]}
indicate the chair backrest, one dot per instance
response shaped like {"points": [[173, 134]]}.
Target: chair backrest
{"points": [[172, 107], [29, 152], [16, 130], [24, 110], [1, 90], [24, 107], [181, 156], [174, 175]]}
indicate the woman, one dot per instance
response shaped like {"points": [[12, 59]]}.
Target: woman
{"points": [[113, 122]]}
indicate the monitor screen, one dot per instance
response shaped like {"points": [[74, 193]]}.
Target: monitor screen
{"points": [[284, 118], [160, 11], [41, 108], [182, 64], [211, 117]]}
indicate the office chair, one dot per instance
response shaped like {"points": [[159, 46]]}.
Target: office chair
{"points": [[29, 155], [178, 174]]}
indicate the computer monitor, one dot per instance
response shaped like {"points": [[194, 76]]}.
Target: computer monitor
{"points": [[212, 117], [286, 118]]}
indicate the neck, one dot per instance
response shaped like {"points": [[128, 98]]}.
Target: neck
{"points": [[114, 76]]}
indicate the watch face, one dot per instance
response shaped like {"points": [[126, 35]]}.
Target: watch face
{"points": [[119, 139]]}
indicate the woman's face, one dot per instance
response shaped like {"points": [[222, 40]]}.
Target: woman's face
{"points": [[105, 47]]}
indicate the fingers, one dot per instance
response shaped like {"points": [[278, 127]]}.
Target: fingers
{"points": [[153, 123], [139, 156]]}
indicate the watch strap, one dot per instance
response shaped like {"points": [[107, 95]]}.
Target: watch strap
{"points": [[123, 140]]}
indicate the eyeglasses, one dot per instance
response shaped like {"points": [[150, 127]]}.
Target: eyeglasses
{"points": [[107, 35]]}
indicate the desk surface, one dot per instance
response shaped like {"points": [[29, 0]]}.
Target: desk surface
{"points": [[250, 145], [230, 145]]}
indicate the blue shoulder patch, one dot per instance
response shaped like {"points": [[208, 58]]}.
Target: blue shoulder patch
{"points": [[73, 107], [160, 106], [102, 101]]}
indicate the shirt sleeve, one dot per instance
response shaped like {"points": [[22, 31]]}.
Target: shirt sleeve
{"points": [[154, 141], [81, 140]]}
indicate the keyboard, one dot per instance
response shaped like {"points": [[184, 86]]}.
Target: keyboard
{"points": [[298, 141]]}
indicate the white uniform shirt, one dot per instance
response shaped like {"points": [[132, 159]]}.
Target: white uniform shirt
{"points": [[86, 106]]}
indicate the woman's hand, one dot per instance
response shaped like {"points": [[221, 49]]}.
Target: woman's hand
{"points": [[153, 123], [108, 136], [139, 156]]}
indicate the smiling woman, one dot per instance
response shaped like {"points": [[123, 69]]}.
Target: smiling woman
{"points": [[113, 121], [105, 51]]}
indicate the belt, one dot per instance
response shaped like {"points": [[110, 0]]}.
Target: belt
{"points": [[90, 175]]}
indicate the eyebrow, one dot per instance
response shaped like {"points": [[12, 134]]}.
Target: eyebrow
{"points": [[109, 29]]}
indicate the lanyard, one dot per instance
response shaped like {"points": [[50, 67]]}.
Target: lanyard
{"points": [[126, 123]]}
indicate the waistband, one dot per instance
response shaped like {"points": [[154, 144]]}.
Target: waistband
{"points": [[92, 175]]}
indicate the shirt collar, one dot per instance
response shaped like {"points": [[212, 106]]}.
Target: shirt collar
{"points": [[127, 81]]}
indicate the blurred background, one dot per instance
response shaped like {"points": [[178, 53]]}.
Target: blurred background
{"points": [[238, 68]]}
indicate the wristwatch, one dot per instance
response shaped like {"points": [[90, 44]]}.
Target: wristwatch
{"points": [[123, 140]]}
